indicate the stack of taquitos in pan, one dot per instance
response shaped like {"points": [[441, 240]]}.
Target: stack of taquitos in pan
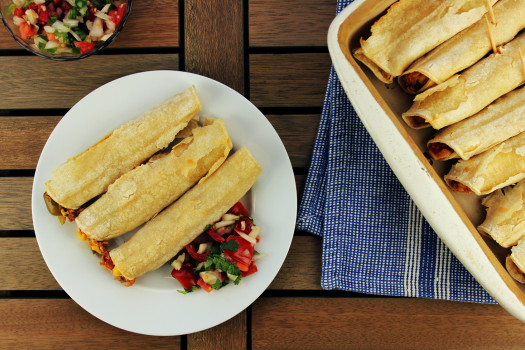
{"points": [[469, 88], [132, 197]]}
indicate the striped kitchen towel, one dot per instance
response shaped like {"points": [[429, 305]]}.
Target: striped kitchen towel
{"points": [[375, 240]]}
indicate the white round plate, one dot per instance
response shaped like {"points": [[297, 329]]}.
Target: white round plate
{"points": [[153, 305]]}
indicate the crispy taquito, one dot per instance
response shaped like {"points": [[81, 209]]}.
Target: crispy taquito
{"points": [[165, 235], [465, 48], [411, 28], [496, 123], [465, 94], [89, 174], [143, 192]]}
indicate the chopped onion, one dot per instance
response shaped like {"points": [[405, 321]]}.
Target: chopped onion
{"points": [[105, 8], [75, 35], [259, 256], [49, 29], [60, 27], [17, 20], [40, 2], [71, 22], [223, 224], [97, 29], [39, 40], [71, 2], [229, 217], [19, 3], [106, 37], [256, 230], [252, 240], [31, 16], [110, 25], [52, 45], [89, 25], [203, 247], [101, 15]]}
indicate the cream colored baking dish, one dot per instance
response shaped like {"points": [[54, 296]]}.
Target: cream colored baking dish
{"points": [[453, 216]]}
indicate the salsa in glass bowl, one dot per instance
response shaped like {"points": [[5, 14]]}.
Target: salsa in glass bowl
{"points": [[64, 29]]}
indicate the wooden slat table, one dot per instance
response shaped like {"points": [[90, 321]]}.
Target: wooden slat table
{"points": [[274, 52]]}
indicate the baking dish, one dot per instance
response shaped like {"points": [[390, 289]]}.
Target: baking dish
{"points": [[454, 216]]}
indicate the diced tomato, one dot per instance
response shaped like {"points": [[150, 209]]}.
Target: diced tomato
{"points": [[214, 235], [244, 225], [195, 255], [51, 36], [84, 46], [244, 253], [27, 30], [121, 10], [43, 14], [242, 267], [185, 276], [239, 209], [251, 270], [18, 12], [32, 6], [57, 2], [65, 7], [204, 285], [91, 14]]}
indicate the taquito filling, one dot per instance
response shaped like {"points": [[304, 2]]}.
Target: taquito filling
{"points": [[439, 150], [109, 265], [413, 82], [59, 211], [97, 246], [459, 187]]}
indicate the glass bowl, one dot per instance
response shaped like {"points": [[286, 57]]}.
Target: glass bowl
{"points": [[7, 15]]}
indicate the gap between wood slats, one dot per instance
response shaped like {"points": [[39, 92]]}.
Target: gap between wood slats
{"points": [[152, 23], [289, 23], [82, 77], [22, 257], [63, 324], [390, 323], [289, 80]]}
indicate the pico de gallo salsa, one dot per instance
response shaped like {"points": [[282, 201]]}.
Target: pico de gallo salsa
{"points": [[66, 26], [224, 252]]}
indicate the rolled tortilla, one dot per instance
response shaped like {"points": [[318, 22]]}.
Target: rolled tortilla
{"points": [[493, 169], [496, 123], [166, 234], [505, 219], [143, 192], [89, 174], [516, 265], [465, 48], [411, 28], [464, 95]]}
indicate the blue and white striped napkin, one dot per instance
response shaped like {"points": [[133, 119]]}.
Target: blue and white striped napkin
{"points": [[375, 240]]}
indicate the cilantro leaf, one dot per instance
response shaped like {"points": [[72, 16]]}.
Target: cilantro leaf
{"points": [[230, 245], [217, 284]]}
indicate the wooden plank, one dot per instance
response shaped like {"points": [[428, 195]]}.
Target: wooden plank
{"points": [[213, 40], [15, 203], [77, 78], [289, 80], [22, 140], [21, 257], [298, 134], [289, 23], [228, 335], [302, 268], [382, 323], [152, 23], [52, 323]]}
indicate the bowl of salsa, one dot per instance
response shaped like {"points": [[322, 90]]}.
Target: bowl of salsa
{"points": [[64, 29]]}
